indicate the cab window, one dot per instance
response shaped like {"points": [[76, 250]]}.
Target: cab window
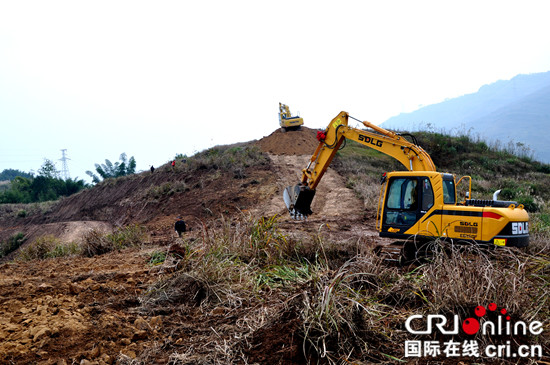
{"points": [[449, 196], [403, 194], [427, 195], [402, 202]]}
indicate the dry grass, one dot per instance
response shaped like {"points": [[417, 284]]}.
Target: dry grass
{"points": [[94, 242], [235, 157], [46, 247], [24, 210], [464, 277], [97, 242], [329, 311], [340, 312], [260, 291]]}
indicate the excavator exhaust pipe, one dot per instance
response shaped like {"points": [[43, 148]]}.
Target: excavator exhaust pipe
{"points": [[298, 200]]}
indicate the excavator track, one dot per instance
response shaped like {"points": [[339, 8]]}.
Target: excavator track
{"points": [[402, 253], [391, 254]]}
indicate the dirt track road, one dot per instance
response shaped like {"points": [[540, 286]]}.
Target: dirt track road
{"points": [[336, 209]]}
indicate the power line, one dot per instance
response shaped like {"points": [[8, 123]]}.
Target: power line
{"points": [[64, 166]]}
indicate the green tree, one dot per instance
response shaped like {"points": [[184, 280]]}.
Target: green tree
{"points": [[110, 170], [46, 186], [19, 192], [11, 174], [41, 189], [48, 170]]}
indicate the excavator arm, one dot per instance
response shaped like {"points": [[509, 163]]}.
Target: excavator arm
{"points": [[298, 198]]}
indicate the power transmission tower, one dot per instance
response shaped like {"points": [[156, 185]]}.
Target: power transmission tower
{"points": [[64, 166]]}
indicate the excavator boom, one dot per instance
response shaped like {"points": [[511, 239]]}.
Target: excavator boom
{"points": [[298, 198]]}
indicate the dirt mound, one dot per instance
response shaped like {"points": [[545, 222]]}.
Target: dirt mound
{"points": [[65, 231], [301, 142]]}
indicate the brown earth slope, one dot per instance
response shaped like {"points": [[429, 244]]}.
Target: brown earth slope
{"points": [[154, 200], [335, 207], [85, 310]]}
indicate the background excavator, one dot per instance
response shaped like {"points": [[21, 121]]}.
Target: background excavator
{"points": [[287, 121], [420, 203]]}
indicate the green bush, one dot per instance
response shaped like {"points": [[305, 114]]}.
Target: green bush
{"points": [[64, 249], [508, 193], [157, 257], [492, 168], [109, 170], [12, 244], [39, 189], [529, 203]]}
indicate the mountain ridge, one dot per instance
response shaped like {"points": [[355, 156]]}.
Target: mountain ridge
{"points": [[506, 111]]}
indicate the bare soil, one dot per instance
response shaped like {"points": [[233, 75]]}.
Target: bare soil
{"points": [[336, 209], [74, 308], [300, 142], [86, 310]]}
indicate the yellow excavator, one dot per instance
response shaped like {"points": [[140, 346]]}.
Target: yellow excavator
{"points": [[420, 202], [287, 121]]}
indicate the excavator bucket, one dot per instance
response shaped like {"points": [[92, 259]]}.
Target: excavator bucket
{"points": [[298, 200]]}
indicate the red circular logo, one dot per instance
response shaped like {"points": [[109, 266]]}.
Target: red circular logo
{"points": [[470, 326]]}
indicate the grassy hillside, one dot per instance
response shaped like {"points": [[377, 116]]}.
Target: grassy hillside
{"points": [[518, 176]]}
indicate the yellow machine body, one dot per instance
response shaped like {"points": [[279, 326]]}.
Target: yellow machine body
{"points": [[286, 120], [424, 204]]}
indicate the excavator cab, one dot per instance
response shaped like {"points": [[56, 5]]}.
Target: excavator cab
{"points": [[407, 198]]}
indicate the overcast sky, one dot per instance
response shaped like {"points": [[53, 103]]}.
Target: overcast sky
{"points": [[157, 78]]}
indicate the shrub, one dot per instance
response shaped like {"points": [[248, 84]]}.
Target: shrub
{"points": [[64, 249], [529, 203], [12, 244], [47, 247], [166, 189], [97, 242], [267, 243], [157, 257], [227, 158]]}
